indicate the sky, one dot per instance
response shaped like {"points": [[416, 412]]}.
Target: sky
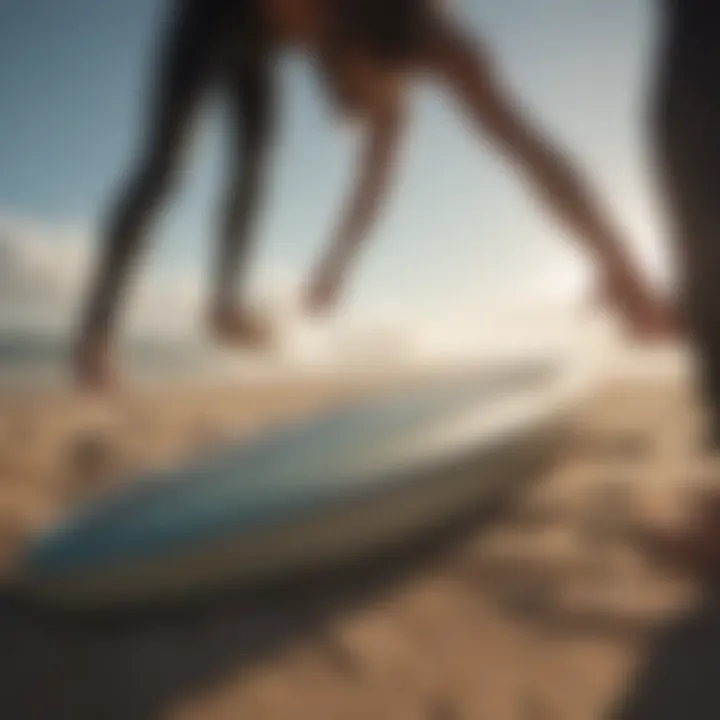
{"points": [[460, 232]]}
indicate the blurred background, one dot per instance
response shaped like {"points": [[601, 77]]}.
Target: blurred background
{"points": [[549, 609], [461, 260]]}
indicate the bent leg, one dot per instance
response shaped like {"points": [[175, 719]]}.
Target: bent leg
{"points": [[469, 73], [185, 71], [251, 106], [252, 117]]}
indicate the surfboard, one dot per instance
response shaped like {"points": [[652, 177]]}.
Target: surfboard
{"points": [[351, 481]]}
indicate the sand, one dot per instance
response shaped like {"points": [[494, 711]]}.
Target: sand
{"points": [[546, 610]]}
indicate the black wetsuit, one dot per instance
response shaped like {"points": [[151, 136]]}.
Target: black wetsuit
{"points": [[688, 134]]}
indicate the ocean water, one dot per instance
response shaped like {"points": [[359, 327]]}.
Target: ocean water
{"points": [[33, 359]]}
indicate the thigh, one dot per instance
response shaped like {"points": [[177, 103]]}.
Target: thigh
{"points": [[390, 30], [192, 57]]}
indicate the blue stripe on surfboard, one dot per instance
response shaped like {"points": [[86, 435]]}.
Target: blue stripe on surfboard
{"points": [[300, 469]]}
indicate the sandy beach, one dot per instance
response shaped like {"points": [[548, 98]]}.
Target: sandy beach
{"points": [[547, 610]]}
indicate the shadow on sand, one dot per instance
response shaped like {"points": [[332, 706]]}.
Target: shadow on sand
{"points": [[680, 679], [135, 665]]}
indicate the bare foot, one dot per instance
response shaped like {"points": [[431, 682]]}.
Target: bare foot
{"points": [[94, 366], [647, 317], [241, 328]]}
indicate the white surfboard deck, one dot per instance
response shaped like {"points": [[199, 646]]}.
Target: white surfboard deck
{"points": [[315, 493]]}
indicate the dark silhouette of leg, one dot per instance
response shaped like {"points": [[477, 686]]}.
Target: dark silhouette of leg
{"points": [[187, 64], [251, 107], [469, 74], [688, 145], [686, 119]]}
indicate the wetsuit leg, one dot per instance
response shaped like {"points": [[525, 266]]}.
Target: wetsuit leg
{"points": [[687, 121], [189, 59], [250, 96]]}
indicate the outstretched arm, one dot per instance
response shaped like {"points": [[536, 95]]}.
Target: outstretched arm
{"points": [[383, 134]]}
